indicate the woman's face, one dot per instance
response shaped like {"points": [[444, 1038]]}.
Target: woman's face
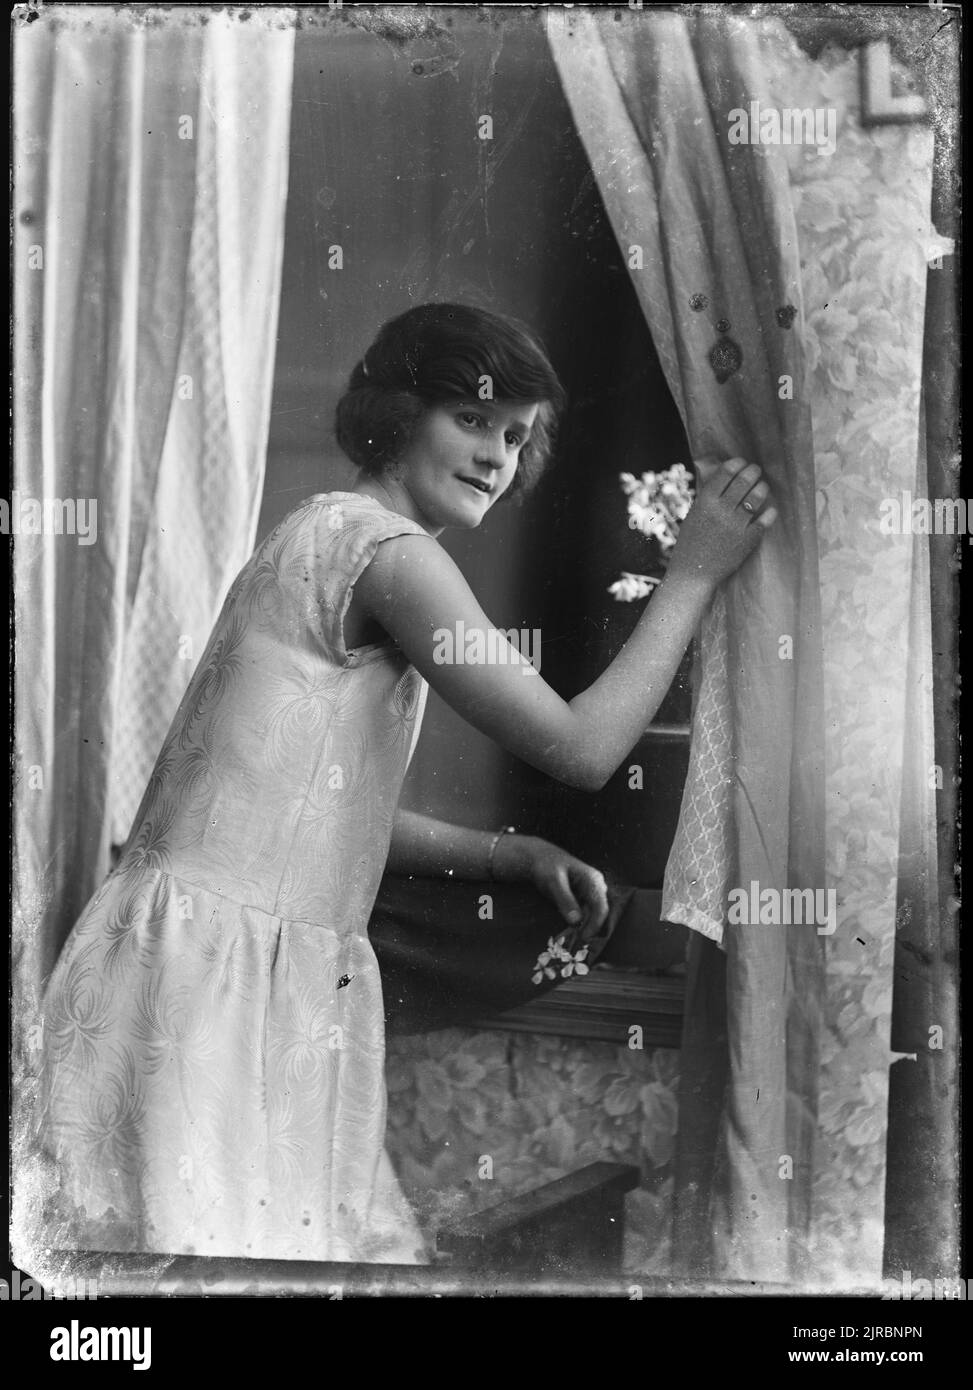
{"points": [[462, 458]]}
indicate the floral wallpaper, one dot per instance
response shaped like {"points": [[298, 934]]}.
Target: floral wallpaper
{"points": [[535, 1107], [863, 223]]}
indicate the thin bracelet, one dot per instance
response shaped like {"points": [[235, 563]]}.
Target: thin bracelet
{"points": [[507, 830]]}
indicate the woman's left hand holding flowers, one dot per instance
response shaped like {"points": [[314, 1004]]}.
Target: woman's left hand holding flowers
{"points": [[578, 890]]}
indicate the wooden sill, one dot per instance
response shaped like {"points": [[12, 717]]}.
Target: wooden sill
{"points": [[603, 1007]]}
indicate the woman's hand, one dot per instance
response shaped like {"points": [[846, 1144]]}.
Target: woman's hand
{"points": [[577, 889], [725, 524]]}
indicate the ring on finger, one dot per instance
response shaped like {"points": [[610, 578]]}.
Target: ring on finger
{"points": [[747, 506]]}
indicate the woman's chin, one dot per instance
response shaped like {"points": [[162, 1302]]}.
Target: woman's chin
{"points": [[456, 513], [466, 518]]}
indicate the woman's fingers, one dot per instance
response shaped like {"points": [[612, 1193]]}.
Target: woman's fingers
{"points": [[564, 899], [744, 481], [732, 468], [758, 495], [741, 484], [578, 890], [594, 892], [718, 535]]}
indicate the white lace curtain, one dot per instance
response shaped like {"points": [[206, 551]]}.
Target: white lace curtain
{"points": [[151, 175]]}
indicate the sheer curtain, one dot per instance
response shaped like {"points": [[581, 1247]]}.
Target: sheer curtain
{"points": [[150, 181], [735, 253]]}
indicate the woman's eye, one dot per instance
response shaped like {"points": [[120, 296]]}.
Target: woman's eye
{"points": [[469, 419], [514, 441]]}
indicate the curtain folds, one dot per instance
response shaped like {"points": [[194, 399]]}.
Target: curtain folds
{"points": [[784, 285], [150, 176], [707, 229]]}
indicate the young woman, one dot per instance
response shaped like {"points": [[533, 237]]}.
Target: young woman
{"points": [[213, 1037]]}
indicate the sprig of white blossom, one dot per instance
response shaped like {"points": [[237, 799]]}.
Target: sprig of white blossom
{"points": [[657, 503], [632, 586], [567, 962]]}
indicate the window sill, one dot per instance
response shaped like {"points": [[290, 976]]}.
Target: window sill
{"points": [[603, 1007]]}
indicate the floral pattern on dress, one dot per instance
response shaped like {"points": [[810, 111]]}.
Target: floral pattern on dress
{"points": [[214, 1055]]}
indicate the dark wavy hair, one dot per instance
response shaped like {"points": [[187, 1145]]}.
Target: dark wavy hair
{"points": [[437, 353]]}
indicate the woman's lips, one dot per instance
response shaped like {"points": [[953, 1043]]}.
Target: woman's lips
{"points": [[479, 485]]}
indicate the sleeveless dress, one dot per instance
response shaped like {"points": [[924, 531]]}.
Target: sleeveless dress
{"points": [[214, 1046]]}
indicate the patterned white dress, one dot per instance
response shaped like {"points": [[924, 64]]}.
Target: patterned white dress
{"points": [[214, 1043]]}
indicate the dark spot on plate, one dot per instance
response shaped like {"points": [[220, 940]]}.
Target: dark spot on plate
{"points": [[725, 359]]}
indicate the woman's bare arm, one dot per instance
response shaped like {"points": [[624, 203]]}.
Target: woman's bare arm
{"points": [[417, 592], [422, 845], [435, 848]]}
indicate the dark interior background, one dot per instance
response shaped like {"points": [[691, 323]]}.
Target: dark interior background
{"points": [[386, 162]]}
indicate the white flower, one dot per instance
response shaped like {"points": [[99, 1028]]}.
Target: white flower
{"points": [[657, 503], [651, 520], [556, 950], [632, 586]]}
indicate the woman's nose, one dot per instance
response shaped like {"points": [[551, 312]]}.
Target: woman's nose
{"points": [[490, 452]]}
